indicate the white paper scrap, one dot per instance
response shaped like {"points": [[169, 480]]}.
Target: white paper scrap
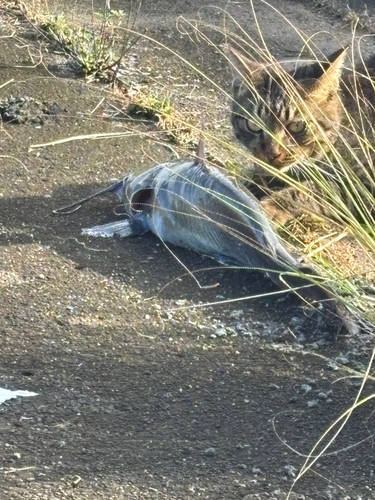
{"points": [[6, 394]]}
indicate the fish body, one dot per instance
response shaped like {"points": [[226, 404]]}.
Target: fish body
{"points": [[191, 206]]}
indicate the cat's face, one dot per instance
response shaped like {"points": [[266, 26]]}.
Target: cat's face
{"points": [[286, 112]]}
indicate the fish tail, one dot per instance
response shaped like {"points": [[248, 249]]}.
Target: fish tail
{"points": [[315, 293]]}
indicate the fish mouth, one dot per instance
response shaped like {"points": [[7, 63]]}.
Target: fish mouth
{"points": [[140, 200]]}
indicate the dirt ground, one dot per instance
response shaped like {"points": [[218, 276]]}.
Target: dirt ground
{"points": [[140, 396]]}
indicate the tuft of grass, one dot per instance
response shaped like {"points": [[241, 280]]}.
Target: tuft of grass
{"points": [[99, 48], [160, 108], [94, 52]]}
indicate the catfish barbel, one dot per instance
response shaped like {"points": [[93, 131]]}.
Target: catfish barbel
{"points": [[190, 205]]}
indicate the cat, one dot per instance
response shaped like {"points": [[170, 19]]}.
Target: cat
{"points": [[289, 113]]}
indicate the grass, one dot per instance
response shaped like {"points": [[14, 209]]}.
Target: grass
{"points": [[97, 48], [161, 108]]}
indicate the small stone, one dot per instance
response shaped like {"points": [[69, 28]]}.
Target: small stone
{"points": [[290, 470], [210, 452], [231, 331], [274, 386], [296, 321], [213, 336], [256, 470], [342, 359], [322, 395], [236, 314], [306, 388], [312, 403], [332, 365], [221, 332], [181, 302]]}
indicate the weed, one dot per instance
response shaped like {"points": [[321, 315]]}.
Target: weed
{"points": [[98, 49], [159, 107]]}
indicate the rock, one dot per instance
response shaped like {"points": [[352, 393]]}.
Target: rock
{"points": [[306, 388], [210, 452], [331, 365], [274, 386], [296, 321], [342, 359], [236, 314], [290, 471], [221, 332]]}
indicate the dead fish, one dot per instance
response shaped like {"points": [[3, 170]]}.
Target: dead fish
{"points": [[197, 207]]}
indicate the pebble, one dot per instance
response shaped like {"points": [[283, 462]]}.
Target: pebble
{"points": [[290, 470], [342, 359], [296, 321], [306, 388], [221, 332], [210, 452], [274, 386], [236, 314], [312, 403], [332, 365], [231, 331]]}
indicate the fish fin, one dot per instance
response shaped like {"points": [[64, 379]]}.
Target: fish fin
{"points": [[201, 152], [201, 156], [122, 229]]}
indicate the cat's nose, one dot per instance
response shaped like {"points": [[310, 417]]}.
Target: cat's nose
{"points": [[275, 157]]}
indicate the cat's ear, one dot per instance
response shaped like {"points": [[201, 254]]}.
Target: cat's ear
{"points": [[328, 81], [243, 69]]}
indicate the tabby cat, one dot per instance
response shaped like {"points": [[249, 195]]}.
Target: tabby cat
{"points": [[289, 113]]}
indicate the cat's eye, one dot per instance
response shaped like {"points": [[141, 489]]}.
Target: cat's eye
{"points": [[296, 127], [252, 126]]}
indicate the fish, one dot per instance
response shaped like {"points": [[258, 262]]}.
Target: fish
{"points": [[198, 207]]}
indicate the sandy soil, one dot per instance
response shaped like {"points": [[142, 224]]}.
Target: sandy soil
{"points": [[139, 397]]}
